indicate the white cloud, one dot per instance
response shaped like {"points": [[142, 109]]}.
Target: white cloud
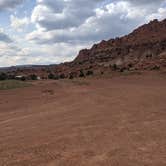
{"points": [[61, 14], [4, 37], [80, 21], [18, 23], [31, 53], [9, 4], [8, 53], [160, 14], [103, 23]]}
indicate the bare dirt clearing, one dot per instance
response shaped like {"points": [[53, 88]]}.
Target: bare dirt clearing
{"points": [[117, 121]]}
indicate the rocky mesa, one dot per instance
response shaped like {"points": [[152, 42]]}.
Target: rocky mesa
{"points": [[144, 48]]}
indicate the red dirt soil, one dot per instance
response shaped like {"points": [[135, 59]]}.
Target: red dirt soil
{"points": [[117, 121]]}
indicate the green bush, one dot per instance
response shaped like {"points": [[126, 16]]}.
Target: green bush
{"points": [[156, 67], [114, 67], [62, 76], [130, 65], [11, 77], [71, 76], [56, 77], [89, 72], [101, 72], [23, 78], [81, 74], [3, 76], [33, 77], [123, 69], [51, 76]]}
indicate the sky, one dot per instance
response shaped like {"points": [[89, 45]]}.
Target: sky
{"points": [[53, 31]]}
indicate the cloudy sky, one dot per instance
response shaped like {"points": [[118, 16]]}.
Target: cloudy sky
{"points": [[53, 31]]}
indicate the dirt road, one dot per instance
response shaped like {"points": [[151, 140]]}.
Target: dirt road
{"points": [[118, 121]]}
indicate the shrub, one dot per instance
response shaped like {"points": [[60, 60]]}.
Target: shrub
{"points": [[3, 76], [102, 72], [51, 76], [81, 74], [123, 69], [114, 67], [130, 65], [11, 77], [23, 78], [89, 72], [33, 77], [71, 76], [80, 63], [62, 76], [56, 77], [156, 67]]}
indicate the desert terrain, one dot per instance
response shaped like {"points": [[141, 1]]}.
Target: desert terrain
{"points": [[111, 121]]}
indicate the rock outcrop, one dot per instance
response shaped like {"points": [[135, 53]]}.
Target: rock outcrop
{"points": [[143, 48]]}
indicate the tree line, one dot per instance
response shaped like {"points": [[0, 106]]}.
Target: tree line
{"points": [[72, 75]]}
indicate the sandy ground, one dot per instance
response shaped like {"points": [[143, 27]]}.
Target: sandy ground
{"points": [[118, 121]]}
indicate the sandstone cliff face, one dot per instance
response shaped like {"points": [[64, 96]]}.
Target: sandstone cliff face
{"points": [[141, 48]]}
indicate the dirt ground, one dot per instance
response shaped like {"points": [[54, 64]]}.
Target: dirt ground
{"points": [[119, 121]]}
